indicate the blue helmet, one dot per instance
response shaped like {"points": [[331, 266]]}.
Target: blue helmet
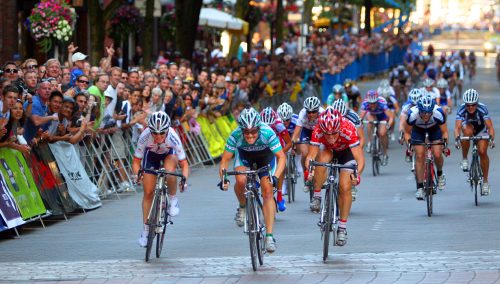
{"points": [[426, 103]]}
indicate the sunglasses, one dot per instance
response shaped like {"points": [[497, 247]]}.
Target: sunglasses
{"points": [[471, 105], [311, 112], [32, 66], [11, 71], [83, 81], [250, 131], [158, 133], [332, 133]]}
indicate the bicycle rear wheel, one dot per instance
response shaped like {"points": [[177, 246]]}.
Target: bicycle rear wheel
{"points": [[161, 236], [153, 223], [252, 231], [326, 213]]}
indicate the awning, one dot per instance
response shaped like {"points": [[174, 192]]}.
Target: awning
{"points": [[214, 18]]}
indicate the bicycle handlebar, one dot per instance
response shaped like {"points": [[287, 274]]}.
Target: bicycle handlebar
{"points": [[375, 121], [313, 163], [301, 142], [226, 173], [475, 138]]}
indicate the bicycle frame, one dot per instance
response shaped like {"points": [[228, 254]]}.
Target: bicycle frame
{"points": [[376, 145], [475, 175]]}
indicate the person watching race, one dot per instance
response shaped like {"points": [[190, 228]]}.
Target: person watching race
{"points": [[338, 139], [269, 117], [306, 121], [426, 118], [473, 119], [158, 144], [375, 108], [253, 142]]}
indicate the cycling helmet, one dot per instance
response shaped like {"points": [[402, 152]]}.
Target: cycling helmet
{"points": [[415, 95], [268, 115], [159, 122], [371, 96], [384, 83], [426, 103], [401, 68], [329, 121], [428, 82], [442, 83], [447, 65], [384, 92], [285, 111], [312, 104], [470, 96], [339, 106], [249, 118], [337, 88], [347, 83]]}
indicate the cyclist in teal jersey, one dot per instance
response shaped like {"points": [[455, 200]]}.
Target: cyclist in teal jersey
{"points": [[254, 145]]}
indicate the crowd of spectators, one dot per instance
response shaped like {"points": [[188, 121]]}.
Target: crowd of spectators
{"points": [[71, 100]]}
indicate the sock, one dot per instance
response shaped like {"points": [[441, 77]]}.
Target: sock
{"points": [[440, 173], [269, 235], [171, 196], [242, 206], [420, 185], [317, 193], [306, 174], [283, 188], [280, 196], [146, 227], [342, 224]]}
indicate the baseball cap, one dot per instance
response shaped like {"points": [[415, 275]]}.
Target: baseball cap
{"points": [[78, 56]]}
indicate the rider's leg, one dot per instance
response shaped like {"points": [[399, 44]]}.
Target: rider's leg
{"points": [[482, 150], [345, 196], [382, 134], [239, 186], [269, 206], [149, 181], [467, 130], [170, 164]]}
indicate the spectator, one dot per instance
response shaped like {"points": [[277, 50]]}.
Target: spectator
{"points": [[10, 71], [54, 69], [12, 137], [156, 103], [38, 119], [78, 60], [100, 86], [30, 81], [42, 72]]}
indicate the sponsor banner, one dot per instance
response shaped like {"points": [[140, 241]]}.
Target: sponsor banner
{"points": [[49, 169], [8, 208], [19, 180], [46, 184], [80, 188]]}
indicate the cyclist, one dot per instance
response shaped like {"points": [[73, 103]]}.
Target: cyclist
{"points": [[375, 108], [444, 99], [306, 121], [448, 73], [338, 139], [400, 80], [285, 112], [337, 93], [269, 117], [472, 65], [460, 72], [473, 119], [158, 143], [253, 142], [353, 117], [392, 103], [353, 94], [426, 117], [428, 86]]}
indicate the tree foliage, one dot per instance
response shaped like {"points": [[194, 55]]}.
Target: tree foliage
{"points": [[187, 15]]}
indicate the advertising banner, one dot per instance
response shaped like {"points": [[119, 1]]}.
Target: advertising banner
{"points": [[8, 208]]}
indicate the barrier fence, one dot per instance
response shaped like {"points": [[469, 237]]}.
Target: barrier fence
{"points": [[60, 178]]}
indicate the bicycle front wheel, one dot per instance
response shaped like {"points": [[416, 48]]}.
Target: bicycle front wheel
{"points": [[260, 239], [375, 156], [429, 187], [161, 236], [153, 223], [252, 231], [326, 214]]}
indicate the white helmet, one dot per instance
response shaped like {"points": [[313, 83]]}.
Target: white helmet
{"points": [[159, 122], [470, 96], [384, 84], [442, 83], [312, 104], [285, 111], [384, 92], [428, 82], [415, 95], [249, 118], [340, 106]]}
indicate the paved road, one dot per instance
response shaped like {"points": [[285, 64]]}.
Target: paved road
{"points": [[390, 237]]}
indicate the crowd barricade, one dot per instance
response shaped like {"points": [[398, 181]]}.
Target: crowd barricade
{"points": [[195, 145], [365, 65]]}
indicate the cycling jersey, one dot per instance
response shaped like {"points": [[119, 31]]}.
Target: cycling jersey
{"points": [[391, 102], [293, 123], [415, 120], [434, 92], [447, 73], [348, 137], [378, 111], [331, 98], [279, 128], [353, 95], [353, 117], [406, 107], [476, 119], [401, 77], [172, 142], [304, 122], [443, 97]]}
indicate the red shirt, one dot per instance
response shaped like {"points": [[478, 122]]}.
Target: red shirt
{"points": [[348, 137]]}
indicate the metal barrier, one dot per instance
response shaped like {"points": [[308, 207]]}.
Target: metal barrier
{"points": [[196, 147]]}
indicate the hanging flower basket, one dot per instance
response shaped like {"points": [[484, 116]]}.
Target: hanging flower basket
{"points": [[126, 20], [51, 21]]}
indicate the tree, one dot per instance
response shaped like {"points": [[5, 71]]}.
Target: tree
{"points": [[368, 19], [98, 16], [241, 10], [187, 15], [148, 34], [280, 22]]}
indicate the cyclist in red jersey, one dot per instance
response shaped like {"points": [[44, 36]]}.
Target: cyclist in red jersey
{"points": [[340, 140], [270, 117]]}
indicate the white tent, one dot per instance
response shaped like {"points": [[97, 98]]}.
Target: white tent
{"points": [[214, 18]]}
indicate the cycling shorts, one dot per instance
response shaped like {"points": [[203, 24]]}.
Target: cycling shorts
{"points": [[479, 131], [153, 161], [344, 157], [256, 160], [381, 116], [418, 134], [305, 134]]}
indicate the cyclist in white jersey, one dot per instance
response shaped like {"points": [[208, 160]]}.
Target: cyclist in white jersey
{"points": [[158, 143]]}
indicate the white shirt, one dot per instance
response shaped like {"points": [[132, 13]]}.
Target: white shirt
{"points": [[110, 109]]}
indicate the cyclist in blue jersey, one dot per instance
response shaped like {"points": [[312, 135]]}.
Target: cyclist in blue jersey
{"points": [[254, 143], [444, 99], [392, 103], [426, 117], [428, 86], [413, 98], [473, 119], [285, 112], [374, 108], [158, 144]]}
